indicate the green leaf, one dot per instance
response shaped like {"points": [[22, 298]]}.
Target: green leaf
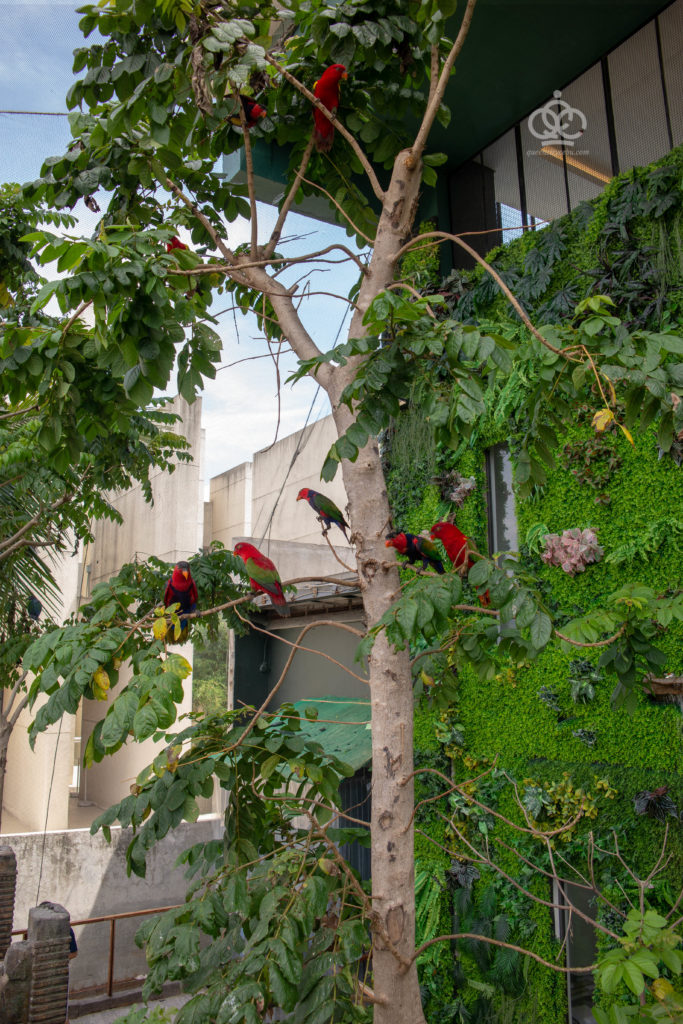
{"points": [[633, 978], [144, 722], [541, 630]]}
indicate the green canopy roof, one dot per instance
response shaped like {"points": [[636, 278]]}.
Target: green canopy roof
{"points": [[342, 727]]}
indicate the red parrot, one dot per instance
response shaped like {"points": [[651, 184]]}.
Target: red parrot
{"points": [[263, 575], [253, 112], [326, 89], [456, 545], [175, 243], [415, 549], [328, 513], [181, 589]]}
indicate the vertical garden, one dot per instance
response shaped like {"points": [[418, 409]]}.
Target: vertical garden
{"points": [[545, 738]]}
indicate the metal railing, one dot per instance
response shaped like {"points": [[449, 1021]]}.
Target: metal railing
{"points": [[112, 918]]}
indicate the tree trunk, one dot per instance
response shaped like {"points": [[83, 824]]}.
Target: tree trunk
{"points": [[393, 870], [5, 733]]}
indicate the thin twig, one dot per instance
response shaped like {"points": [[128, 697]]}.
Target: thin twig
{"points": [[341, 209], [289, 199], [505, 945], [249, 160], [598, 643], [311, 650], [329, 543]]}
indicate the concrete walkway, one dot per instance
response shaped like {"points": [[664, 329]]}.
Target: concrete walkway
{"points": [[110, 1016]]}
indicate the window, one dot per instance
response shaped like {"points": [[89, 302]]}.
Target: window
{"points": [[501, 500], [580, 948]]}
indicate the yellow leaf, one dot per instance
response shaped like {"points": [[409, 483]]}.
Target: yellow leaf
{"points": [[602, 418], [159, 628], [627, 434], [662, 988], [101, 679]]}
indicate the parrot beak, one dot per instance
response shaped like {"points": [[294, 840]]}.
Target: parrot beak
{"points": [[185, 574], [345, 75], [298, 497], [388, 544]]}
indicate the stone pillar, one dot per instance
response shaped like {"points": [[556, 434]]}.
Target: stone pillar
{"points": [[48, 933], [15, 983], [8, 884]]}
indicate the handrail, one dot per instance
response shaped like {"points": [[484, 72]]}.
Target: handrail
{"points": [[112, 918]]}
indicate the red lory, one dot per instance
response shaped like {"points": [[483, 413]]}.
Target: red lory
{"points": [[181, 589], [328, 513], [175, 243], [263, 575], [326, 89], [415, 549], [458, 549], [253, 112]]}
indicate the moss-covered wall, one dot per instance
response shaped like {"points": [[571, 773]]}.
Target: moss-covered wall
{"points": [[615, 755]]}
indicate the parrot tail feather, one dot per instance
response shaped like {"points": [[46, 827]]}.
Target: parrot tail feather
{"points": [[323, 143]]}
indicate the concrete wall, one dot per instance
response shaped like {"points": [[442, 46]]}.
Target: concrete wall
{"points": [[172, 527], [293, 520], [231, 495], [87, 875], [31, 772]]}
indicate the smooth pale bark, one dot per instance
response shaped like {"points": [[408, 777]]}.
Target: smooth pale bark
{"points": [[393, 867], [395, 981]]}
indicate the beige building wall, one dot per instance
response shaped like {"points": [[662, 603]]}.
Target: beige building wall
{"points": [[257, 501], [275, 511], [172, 528], [32, 773]]}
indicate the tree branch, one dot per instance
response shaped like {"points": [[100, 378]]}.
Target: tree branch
{"points": [[505, 945], [331, 198], [598, 643], [250, 170], [332, 118], [289, 199], [496, 277], [436, 94]]}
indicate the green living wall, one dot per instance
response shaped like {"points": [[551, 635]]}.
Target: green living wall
{"points": [[549, 724]]}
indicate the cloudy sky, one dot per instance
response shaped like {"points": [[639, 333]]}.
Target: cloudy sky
{"points": [[239, 408]]}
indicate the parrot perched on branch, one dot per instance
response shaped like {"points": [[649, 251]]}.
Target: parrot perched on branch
{"points": [[415, 549], [263, 575], [326, 89], [328, 513], [458, 549], [175, 243], [253, 112], [181, 589]]}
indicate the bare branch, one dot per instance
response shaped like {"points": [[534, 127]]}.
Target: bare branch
{"points": [[289, 199], [505, 945], [204, 221], [311, 650], [494, 274], [358, 231], [598, 643], [331, 547], [250, 171], [436, 94], [13, 718]]}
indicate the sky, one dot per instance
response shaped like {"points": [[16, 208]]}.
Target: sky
{"points": [[239, 410]]}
